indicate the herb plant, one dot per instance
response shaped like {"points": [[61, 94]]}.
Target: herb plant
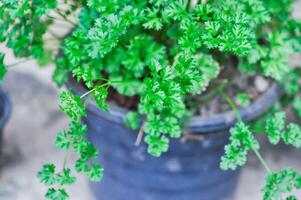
{"points": [[162, 51]]}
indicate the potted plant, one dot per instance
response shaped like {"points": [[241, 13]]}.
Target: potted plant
{"points": [[171, 77]]}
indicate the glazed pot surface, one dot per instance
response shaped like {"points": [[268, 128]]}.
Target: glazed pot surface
{"points": [[5, 110], [188, 171]]}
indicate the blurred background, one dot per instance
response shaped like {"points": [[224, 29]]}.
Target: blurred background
{"points": [[28, 138]]}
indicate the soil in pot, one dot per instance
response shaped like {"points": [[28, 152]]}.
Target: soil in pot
{"points": [[210, 102]]}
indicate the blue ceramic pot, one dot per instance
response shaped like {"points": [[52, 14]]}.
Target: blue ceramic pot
{"points": [[5, 110], [188, 171]]}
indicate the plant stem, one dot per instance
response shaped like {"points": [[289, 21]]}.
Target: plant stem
{"points": [[220, 87], [239, 118], [87, 93], [232, 105], [140, 135], [65, 17], [223, 85], [65, 159], [262, 161], [92, 90], [107, 84]]}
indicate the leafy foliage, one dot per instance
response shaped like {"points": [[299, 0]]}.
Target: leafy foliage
{"points": [[241, 141], [297, 106], [280, 183], [100, 94], [72, 105], [50, 177], [3, 69], [293, 135], [68, 139], [243, 99], [132, 120], [56, 194], [275, 128], [162, 51]]}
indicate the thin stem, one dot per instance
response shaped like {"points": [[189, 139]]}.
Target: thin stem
{"points": [[232, 105], [65, 17], [65, 159], [222, 86], [140, 135], [262, 161], [90, 91], [107, 84], [87, 93], [56, 18], [239, 118]]}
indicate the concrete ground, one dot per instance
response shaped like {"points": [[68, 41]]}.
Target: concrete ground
{"points": [[36, 118]]}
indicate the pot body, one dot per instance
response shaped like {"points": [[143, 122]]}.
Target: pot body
{"points": [[5, 110], [188, 171]]}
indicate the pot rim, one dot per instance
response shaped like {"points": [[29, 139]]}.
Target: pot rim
{"points": [[197, 124]]}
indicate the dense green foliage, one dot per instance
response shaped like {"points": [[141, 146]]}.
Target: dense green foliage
{"points": [[162, 51], [278, 184], [241, 141]]}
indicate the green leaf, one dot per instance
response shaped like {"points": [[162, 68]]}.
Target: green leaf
{"points": [[241, 141], [243, 99], [79, 145], [293, 135], [100, 94], [233, 158], [64, 178], [127, 87], [281, 183], [3, 69], [275, 127], [132, 120], [95, 173], [45, 59], [62, 140], [56, 194], [60, 74], [297, 106], [209, 70], [81, 165], [77, 130], [88, 150], [156, 144], [47, 174], [72, 105], [152, 21], [43, 7], [291, 84]]}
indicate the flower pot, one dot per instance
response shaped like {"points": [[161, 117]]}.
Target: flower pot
{"points": [[5, 109], [188, 171]]}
